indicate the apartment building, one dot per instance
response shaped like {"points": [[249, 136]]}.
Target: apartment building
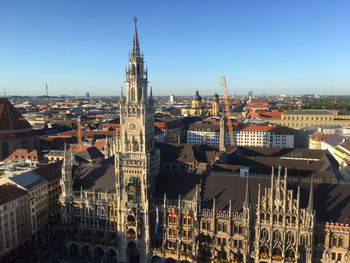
{"points": [[14, 225], [253, 135], [37, 189], [299, 119]]}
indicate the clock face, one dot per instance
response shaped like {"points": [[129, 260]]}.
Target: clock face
{"points": [[132, 126]]}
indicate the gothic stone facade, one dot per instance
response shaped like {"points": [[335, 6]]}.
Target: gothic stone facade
{"points": [[124, 210]]}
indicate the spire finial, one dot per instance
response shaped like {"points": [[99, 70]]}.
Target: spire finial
{"points": [[135, 44]]}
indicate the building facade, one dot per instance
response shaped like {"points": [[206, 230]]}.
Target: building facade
{"points": [[253, 135], [302, 118], [14, 221], [199, 109]]}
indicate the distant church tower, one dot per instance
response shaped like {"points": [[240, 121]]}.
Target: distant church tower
{"points": [[136, 159]]}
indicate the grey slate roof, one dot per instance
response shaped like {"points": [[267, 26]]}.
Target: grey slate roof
{"points": [[334, 140], [90, 154], [29, 180], [99, 177], [331, 201], [176, 184]]}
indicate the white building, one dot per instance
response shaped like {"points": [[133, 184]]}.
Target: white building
{"points": [[254, 135], [172, 99]]}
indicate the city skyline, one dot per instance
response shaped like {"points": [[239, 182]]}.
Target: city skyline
{"points": [[272, 48]]}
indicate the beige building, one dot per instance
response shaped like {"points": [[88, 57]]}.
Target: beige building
{"points": [[299, 119], [14, 221], [37, 189], [198, 109], [342, 155], [316, 139]]}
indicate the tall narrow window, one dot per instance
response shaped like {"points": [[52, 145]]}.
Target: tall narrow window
{"points": [[132, 94]]}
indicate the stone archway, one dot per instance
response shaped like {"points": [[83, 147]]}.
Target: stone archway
{"points": [[98, 254], [170, 260], [73, 249], [132, 254], [156, 259], [111, 256]]}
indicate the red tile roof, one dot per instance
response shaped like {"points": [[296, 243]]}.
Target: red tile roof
{"points": [[100, 143], [11, 120], [320, 137], [10, 192], [77, 148], [111, 125], [88, 133], [265, 114], [22, 154], [263, 128]]}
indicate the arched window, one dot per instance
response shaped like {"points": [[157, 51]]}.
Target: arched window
{"points": [[335, 241], [280, 219], [128, 148], [293, 220], [288, 219], [224, 227], [276, 236], [135, 146], [290, 238], [132, 94], [264, 235], [204, 225], [235, 229], [138, 69], [208, 225], [274, 218], [240, 229], [340, 242], [219, 226], [262, 216], [133, 69]]}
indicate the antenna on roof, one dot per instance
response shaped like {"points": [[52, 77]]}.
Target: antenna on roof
{"points": [[4, 93]]}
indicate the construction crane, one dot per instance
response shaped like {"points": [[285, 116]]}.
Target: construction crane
{"points": [[227, 111], [79, 133]]}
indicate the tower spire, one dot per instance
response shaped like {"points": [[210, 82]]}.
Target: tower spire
{"points": [[247, 193], [311, 195], [65, 154], [135, 43]]}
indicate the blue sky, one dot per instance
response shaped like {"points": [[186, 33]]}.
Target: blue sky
{"points": [[269, 46]]}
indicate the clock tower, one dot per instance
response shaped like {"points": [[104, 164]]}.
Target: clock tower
{"points": [[136, 159]]}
